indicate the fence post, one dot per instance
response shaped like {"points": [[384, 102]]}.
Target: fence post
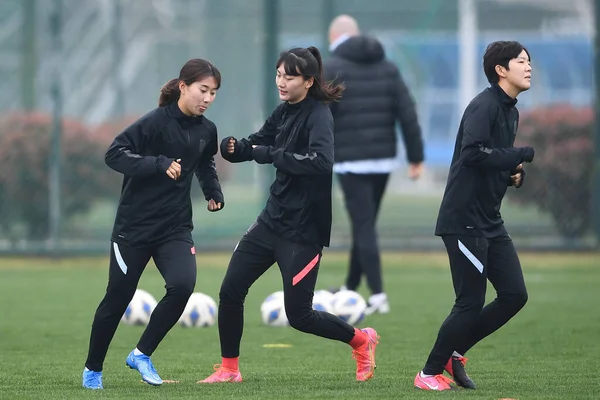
{"points": [[29, 55], [54, 158], [327, 14], [596, 170], [118, 52], [270, 51], [468, 38]]}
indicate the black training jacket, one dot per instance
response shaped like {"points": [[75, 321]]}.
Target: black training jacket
{"points": [[374, 101], [298, 140], [483, 161], [154, 208]]}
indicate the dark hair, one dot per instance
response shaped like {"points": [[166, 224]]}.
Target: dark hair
{"points": [[306, 62], [193, 70], [500, 53]]}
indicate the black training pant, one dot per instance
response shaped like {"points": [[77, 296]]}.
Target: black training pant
{"points": [[256, 252], [177, 264], [362, 195], [472, 262]]}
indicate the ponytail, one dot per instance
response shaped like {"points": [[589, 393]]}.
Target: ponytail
{"points": [[169, 93], [321, 90], [317, 54]]}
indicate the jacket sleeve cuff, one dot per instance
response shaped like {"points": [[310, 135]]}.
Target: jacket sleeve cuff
{"points": [[262, 154]]}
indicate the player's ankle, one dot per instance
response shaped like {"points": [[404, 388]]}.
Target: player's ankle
{"points": [[231, 363], [359, 339]]}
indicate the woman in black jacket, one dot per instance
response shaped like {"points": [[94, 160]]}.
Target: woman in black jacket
{"points": [[158, 156], [295, 224]]}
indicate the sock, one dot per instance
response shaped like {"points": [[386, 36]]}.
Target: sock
{"points": [[424, 375], [455, 354], [230, 363], [359, 339], [136, 352]]}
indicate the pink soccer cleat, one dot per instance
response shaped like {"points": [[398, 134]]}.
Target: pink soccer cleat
{"points": [[223, 374], [436, 382], [365, 356]]}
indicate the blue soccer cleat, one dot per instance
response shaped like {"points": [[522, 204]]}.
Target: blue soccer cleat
{"points": [[92, 380], [143, 365]]}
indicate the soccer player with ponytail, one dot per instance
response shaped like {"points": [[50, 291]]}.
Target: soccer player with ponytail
{"points": [[295, 224], [158, 155]]}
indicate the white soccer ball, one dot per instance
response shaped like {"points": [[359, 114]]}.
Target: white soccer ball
{"points": [[139, 309], [200, 311], [349, 305], [272, 310], [323, 301]]}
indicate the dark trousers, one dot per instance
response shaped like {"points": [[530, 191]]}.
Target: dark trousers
{"points": [[472, 262], [298, 263], [177, 264], [363, 194]]}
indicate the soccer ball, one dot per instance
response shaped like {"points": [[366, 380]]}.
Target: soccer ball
{"points": [[200, 311], [322, 301], [272, 310], [349, 306], [139, 309]]}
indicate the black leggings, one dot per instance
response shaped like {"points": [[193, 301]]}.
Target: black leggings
{"points": [[473, 261], [362, 195], [177, 264], [258, 250]]}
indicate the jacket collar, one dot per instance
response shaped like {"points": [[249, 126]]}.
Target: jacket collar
{"points": [[501, 95], [178, 114]]}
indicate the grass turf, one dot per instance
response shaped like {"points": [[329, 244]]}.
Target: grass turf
{"points": [[549, 351]]}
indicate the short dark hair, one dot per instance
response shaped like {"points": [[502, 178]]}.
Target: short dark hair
{"points": [[308, 63], [500, 53], [194, 70]]}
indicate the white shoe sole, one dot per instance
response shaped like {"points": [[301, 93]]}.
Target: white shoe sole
{"points": [[383, 308]]}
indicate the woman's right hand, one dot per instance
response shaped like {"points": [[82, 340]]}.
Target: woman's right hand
{"points": [[231, 145], [174, 170]]}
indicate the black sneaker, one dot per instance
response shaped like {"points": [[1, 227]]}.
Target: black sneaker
{"points": [[456, 368]]}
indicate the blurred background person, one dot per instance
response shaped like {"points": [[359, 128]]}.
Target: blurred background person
{"points": [[376, 98]]}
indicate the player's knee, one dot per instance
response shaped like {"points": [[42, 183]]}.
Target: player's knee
{"points": [[231, 294], [524, 297], [182, 290], [119, 293], [299, 323], [299, 318], [469, 306], [517, 300]]}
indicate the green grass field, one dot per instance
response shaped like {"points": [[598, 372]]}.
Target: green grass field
{"points": [[549, 351]]}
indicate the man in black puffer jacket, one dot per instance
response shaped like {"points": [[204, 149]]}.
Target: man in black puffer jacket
{"points": [[375, 99]]}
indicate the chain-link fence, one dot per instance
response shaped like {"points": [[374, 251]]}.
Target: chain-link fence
{"points": [[100, 64]]}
